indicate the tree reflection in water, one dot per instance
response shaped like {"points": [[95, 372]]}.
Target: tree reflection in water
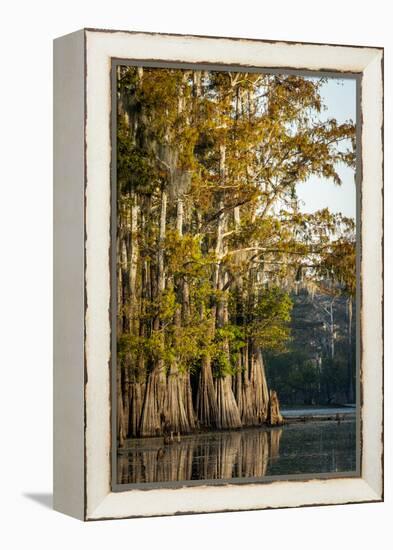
{"points": [[218, 455]]}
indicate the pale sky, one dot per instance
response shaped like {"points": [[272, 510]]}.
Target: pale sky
{"points": [[339, 95]]}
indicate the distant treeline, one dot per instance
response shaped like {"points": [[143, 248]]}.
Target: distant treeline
{"points": [[319, 365]]}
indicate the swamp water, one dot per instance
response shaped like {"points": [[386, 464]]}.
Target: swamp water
{"points": [[316, 447]]}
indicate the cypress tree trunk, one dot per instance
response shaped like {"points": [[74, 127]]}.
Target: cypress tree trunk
{"points": [[134, 255], [175, 411], [228, 412], [132, 393], [247, 417], [129, 215], [179, 411], [259, 389], [274, 415], [126, 393], [239, 384], [206, 402], [188, 402], [124, 306], [136, 403], [161, 243], [141, 328], [121, 433], [207, 409], [153, 406], [350, 392]]}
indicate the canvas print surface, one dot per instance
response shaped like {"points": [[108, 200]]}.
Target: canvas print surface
{"points": [[235, 287]]}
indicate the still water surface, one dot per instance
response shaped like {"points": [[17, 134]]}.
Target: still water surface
{"points": [[304, 448]]}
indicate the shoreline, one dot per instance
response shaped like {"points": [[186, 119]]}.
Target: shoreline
{"points": [[131, 442], [318, 414]]}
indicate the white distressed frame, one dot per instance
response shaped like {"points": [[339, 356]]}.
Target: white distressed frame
{"points": [[99, 502]]}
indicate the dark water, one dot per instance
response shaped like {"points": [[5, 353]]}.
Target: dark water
{"points": [[304, 448]]}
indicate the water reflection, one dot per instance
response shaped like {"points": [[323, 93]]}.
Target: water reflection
{"points": [[317, 447]]}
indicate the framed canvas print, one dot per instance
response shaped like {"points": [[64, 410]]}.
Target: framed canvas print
{"points": [[218, 274]]}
